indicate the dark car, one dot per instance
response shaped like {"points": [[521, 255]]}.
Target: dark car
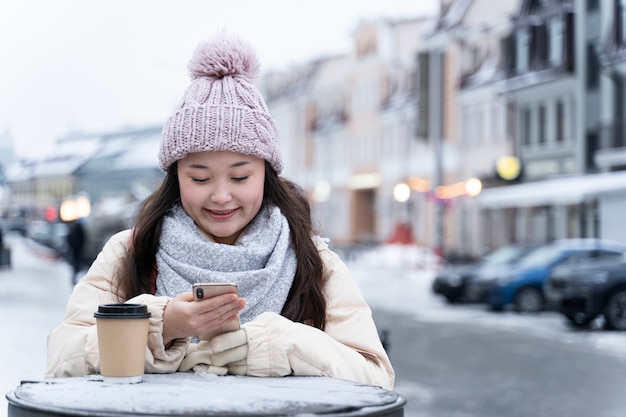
{"points": [[522, 288], [455, 280], [452, 280], [590, 290]]}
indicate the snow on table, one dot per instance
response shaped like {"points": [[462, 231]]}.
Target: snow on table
{"points": [[189, 393]]}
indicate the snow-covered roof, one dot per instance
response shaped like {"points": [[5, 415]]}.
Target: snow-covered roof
{"points": [[131, 150], [19, 171], [139, 153], [65, 158]]}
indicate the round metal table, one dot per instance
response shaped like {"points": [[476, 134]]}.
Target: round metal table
{"points": [[195, 394]]}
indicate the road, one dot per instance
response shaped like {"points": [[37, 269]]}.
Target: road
{"points": [[467, 361], [452, 361], [456, 370]]}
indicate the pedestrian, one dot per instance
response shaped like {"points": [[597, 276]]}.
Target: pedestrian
{"points": [[76, 244], [5, 254], [223, 213]]}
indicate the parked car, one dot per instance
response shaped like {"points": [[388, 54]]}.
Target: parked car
{"points": [[40, 231], [50, 234], [590, 290], [454, 281], [522, 288], [500, 264]]}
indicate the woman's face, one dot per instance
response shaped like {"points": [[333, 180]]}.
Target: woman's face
{"points": [[221, 191]]}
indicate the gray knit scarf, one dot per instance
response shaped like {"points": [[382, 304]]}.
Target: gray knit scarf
{"points": [[262, 262]]}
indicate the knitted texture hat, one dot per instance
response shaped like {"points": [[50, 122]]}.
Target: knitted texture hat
{"points": [[221, 109]]}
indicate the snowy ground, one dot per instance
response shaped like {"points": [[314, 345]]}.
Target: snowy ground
{"points": [[34, 292]]}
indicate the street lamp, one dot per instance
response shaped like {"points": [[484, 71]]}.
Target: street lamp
{"points": [[403, 232], [75, 207], [473, 187], [321, 191], [402, 192]]}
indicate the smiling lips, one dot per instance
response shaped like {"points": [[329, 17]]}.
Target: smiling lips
{"points": [[221, 214]]}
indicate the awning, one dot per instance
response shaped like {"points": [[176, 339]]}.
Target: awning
{"points": [[558, 191]]}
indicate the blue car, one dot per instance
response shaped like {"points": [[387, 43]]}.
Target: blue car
{"points": [[498, 264], [522, 287]]}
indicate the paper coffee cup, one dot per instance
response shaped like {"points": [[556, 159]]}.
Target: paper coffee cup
{"points": [[122, 341]]}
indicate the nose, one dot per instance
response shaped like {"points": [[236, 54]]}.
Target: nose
{"points": [[220, 193]]}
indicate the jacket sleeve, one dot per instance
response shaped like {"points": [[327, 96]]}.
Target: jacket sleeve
{"points": [[73, 345], [349, 347]]}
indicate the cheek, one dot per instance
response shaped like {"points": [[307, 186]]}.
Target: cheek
{"points": [[188, 196], [258, 194]]}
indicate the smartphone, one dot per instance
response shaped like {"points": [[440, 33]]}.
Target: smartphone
{"points": [[202, 291]]}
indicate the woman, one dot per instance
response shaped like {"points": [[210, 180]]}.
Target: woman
{"points": [[223, 214]]}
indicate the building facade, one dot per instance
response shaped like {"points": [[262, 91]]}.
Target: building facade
{"points": [[536, 85], [349, 127], [563, 91]]}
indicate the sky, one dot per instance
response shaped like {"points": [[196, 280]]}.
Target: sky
{"points": [[91, 66]]}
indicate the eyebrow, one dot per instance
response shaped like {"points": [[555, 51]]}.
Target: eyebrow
{"points": [[235, 165]]}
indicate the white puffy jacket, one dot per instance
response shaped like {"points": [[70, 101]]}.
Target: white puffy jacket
{"points": [[349, 347]]}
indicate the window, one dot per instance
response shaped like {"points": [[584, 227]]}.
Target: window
{"points": [[556, 41], [619, 9], [592, 147], [569, 42], [509, 46], [496, 123], [522, 51], [617, 138], [560, 121], [525, 127], [539, 47], [479, 133], [593, 67], [593, 5], [542, 124]]}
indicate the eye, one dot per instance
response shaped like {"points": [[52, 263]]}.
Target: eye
{"points": [[240, 179], [199, 180]]}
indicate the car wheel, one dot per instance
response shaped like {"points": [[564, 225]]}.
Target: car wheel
{"points": [[579, 321], [451, 300], [495, 308], [529, 300], [615, 311]]}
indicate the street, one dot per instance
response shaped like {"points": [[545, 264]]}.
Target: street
{"points": [[452, 369], [466, 361], [453, 361], [33, 294]]}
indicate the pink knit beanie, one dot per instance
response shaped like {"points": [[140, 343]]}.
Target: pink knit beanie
{"points": [[221, 109]]}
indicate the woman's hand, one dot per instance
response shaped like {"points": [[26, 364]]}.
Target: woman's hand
{"points": [[184, 317]]}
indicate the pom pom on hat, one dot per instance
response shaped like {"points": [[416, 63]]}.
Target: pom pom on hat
{"points": [[224, 56], [221, 110]]}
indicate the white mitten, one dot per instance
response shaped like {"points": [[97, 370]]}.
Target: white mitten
{"points": [[230, 350], [198, 358]]}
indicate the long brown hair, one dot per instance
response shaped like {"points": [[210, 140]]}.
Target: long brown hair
{"points": [[305, 302]]}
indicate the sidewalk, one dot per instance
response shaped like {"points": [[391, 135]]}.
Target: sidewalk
{"points": [[33, 294]]}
